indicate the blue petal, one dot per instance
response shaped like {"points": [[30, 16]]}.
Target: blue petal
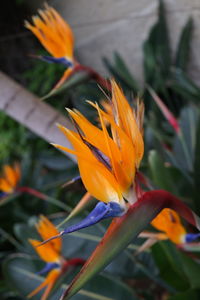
{"points": [[191, 237], [2, 194], [100, 212], [48, 267], [115, 210], [60, 60]]}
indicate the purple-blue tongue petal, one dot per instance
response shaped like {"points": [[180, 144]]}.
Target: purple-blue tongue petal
{"points": [[60, 60], [191, 237], [48, 267], [101, 211]]}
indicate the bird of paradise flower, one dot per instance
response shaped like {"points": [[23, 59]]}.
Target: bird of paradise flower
{"points": [[10, 178], [56, 264], [108, 162], [56, 36], [170, 227]]}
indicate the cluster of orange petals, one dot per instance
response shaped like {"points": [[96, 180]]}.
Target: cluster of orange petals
{"points": [[53, 32], [168, 221], [108, 162], [10, 178]]}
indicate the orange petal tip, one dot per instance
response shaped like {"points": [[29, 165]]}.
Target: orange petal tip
{"points": [[55, 145], [68, 109]]}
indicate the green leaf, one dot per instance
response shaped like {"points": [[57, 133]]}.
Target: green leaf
{"points": [[184, 86], [157, 58], [190, 294], [77, 79], [185, 270], [191, 269], [162, 176], [168, 260], [196, 167], [183, 50], [8, 198], [121, 72], [183, 148]]}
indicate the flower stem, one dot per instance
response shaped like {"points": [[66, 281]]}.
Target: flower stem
{"points": [[38, 194]]}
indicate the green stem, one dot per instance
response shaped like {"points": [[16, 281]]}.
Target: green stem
{"points": [[44, 197]]}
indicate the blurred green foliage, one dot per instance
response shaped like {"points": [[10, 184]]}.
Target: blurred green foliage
{"points": [[11, 134]]}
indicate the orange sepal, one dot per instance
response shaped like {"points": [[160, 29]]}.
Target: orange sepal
{"points": [[11, 175], [46, 229], [10, 178], [46, 251], [53, 32], [93, 173], [49, 282], [169, 222], [126, 118], [126, 148], [5, 186]]}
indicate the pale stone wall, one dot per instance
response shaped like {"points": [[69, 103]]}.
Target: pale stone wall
{"points": [[103, 26]]}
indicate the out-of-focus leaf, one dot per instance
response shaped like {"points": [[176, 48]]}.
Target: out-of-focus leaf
{"points": [[121, 72], [191, 269], [157, 57], [7, 236], [183, 49], [8, 198], [170, 265], [184, 86], [182, 154], [125, 72], [196, 167], [185, 270], [55, 162], [161, 174], [76, 79], [20, 272], [190, 294]]}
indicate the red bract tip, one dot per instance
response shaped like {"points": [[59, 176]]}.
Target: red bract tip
{"points": [[76, 261], [166, 112]]}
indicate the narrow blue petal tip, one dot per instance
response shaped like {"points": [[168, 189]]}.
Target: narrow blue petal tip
{"points": [[191, 237], [100, 212], [60, 60], [48, 267]]}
